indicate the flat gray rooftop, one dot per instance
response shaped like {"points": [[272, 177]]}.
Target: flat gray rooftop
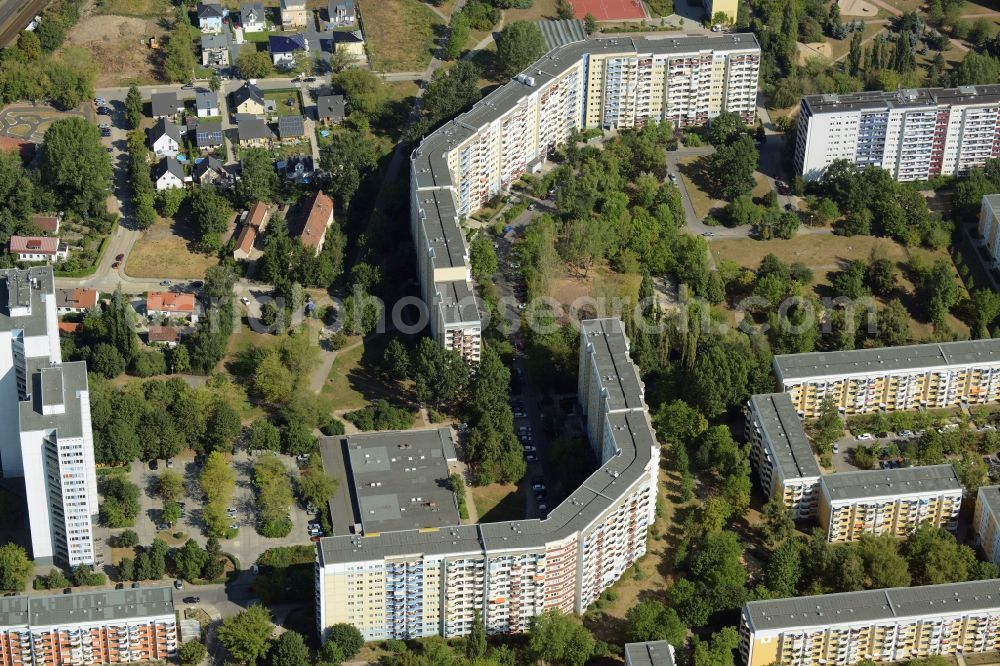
{"points": [[70, 379], [882, 482], [457, 302], [106, 606], [400, 479], [650, 653], [618, 375], [906, 98], [783, 429], [874, 605], [791, 367], [25, 288]]}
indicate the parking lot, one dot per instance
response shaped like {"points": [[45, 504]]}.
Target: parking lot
{"points": [[247, 545], [890, 448]]}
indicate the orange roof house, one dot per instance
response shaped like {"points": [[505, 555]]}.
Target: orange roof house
{"points": [[76, 300], [255, 223], [319, 220], [167, 304]]}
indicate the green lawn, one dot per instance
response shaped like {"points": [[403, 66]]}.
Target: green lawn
{"points": [[339, 388], [399, 34], [281, 97], [499, 502]]}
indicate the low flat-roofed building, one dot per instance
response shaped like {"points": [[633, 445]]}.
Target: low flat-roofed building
{"points": [[110, 626], [887, 625], [649, 653], [935, 375], [781, 453], [986, 522], [399, 479], [889, 501]]}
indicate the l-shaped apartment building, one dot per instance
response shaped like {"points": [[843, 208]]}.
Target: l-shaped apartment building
{"points": [[45, 429], [83, 628], [887, 625], [434, 581], [611, 83], [914, 134]]}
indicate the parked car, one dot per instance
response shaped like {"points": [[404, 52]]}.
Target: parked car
{"points": [[192, 600], [865, 436], [179, 584]]}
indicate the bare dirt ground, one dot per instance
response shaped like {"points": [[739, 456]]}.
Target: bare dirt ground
{"points": [[858, 8], [120, 48]]}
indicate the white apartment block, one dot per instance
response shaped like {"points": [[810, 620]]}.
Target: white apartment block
{"points": [[989, 227], [611, 83], [85, 628], [986, 522], [890, 501], [45, 428], [781, 454], [888, 625], [937, 375], [434, 581], [914, 134]]}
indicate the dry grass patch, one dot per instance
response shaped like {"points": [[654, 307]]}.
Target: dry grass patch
{"points": [[143, 8], [163, 252], [540, 9], [119, 47], [499, 502], [400, 34]]}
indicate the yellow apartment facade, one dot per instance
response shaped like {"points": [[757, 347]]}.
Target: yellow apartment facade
{"points": [[888, 625]]}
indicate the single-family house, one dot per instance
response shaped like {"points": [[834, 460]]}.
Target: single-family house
{"points": [[254, 223], [168, 336], [291, 128], [38, 248], [252, 16], [330, 109], [349, 43], [47, 224], [211, 171], [297, 168], [169, 304], [319, 220], [70, 328], [210, 16], [214, 51], [248, 100], [165, 105], [208, 134], [75, 300], [165, 138], [340, 14], [253, 132], [168, 174], [293, 14], [207, 104], [284, 47]]}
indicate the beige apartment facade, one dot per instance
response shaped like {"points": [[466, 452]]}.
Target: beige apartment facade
{"points": [[888, 625], [890, 501], [937, 375]]}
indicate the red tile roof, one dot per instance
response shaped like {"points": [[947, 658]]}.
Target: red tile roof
{"points": [[246, 239], [47, 223], [34, 244], [320, 213], [76, 298], [257, 215], [163, 301], [69, 327], [163, 334]]}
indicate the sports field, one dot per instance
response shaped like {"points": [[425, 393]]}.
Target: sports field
{"points": [[609, 10]]}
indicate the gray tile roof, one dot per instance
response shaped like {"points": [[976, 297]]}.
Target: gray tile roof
{"points": [[874, 605], [16, 292], [782, 428], [619, 376], [209, 10], [885, 482], [164, 126], [164, 104], [792, 367], [206, 99], [208, 134], [398, 479], [256, 7], [291, 126], [245, 92], [252, 127], [650, 653], [168, 164], [214, 42], [330, 106]]}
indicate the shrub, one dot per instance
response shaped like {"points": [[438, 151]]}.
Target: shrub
{"points": [[126, 539]]}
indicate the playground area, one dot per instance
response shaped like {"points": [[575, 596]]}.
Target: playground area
{"points": [[609, 10], [29, 122]]}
